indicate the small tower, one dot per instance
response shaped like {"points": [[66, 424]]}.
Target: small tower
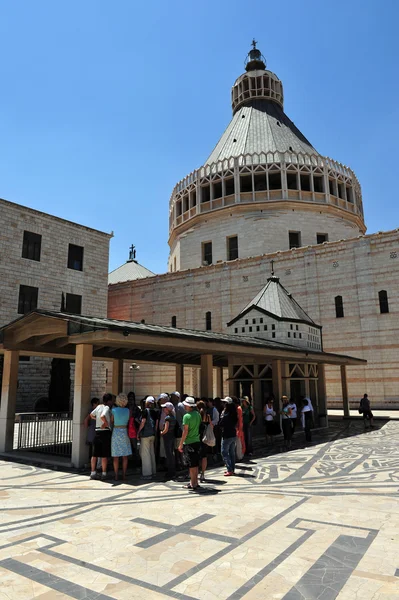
{"points": [[274, 315], [263, 188]]}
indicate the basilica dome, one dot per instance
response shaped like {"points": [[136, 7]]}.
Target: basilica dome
{"points": [[264, 187]]}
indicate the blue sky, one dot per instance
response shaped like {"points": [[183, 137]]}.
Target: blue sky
{"points": [[104, 106]]}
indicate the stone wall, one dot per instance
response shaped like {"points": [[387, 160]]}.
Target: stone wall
{"points": [[357, 269], [51, 276]]}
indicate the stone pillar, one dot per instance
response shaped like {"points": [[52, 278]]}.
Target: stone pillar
{"points": [[345, 398], [219, 382], [277, 379], [8, 399], [81, 403], [285, 374], [257, 401], [231, 380], [117, 376], [207, 375], [322, 396], [180, 379]]}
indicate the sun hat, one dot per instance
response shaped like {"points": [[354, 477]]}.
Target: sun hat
{"points": [[168, 405], [175, 394], [189, 401], [228, 400]]}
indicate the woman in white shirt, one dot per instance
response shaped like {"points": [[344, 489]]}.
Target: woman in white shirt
{"points": [[307, 419], [269, 414]]}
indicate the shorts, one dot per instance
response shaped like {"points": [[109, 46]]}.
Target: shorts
{"points": [[191, 454], [102, 443]]}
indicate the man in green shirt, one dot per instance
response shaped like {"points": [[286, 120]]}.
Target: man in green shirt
{"points": [[190, 442]]}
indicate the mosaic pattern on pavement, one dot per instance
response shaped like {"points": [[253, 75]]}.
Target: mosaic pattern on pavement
{"points": [[320, 522]]}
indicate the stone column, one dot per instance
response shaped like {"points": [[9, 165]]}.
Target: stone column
{"points": [[207, 375], [219, 382], [117, 376], [81, 403], [322, 396], [277, 379], [231, 380], [8, 399], [180, 379], [345, 398]]}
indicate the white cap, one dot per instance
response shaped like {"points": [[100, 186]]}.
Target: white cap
{"points": [[189, 401], [163, 397], [150, 399], [228, 400], [175, 394]]}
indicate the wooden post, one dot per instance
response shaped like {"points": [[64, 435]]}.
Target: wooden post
{"points": [[345, 398], [322, 396], [81, 403], [8, 400], [117, 376], [219, 382], [207, 375], [180, 379]]}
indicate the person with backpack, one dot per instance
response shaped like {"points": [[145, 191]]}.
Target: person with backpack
{"points": [[146, 436], [365, 409]]}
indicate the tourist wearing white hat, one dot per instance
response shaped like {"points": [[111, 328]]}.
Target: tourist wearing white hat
{"points": [[168, 438], [146, 435], [190, 442], [162, 398]]}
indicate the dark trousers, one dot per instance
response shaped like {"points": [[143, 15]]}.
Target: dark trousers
{"points": [[287, 429], [308, 425], [169, 445], [293, 421], [248, 438]]}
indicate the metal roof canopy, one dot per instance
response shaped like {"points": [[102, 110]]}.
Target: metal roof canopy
{"points": [[56, 334]]}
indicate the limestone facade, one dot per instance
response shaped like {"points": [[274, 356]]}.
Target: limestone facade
{"points": [[56, 284], [355, 269]]}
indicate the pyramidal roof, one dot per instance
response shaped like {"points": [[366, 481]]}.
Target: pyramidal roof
{"points": [[275, 300], [129, 271]]}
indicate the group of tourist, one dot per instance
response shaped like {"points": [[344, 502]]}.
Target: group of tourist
{"points": [[181, 432]]}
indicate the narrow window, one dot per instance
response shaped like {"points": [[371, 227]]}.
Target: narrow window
{"points": [[73, 304], [232, 247], [246, 321], [253, 321], [294, 239], [339, 307], [173, 321], [289, 334], [205, 193], [242, 329], [207, 253], [208, 321], [27, 299], [235, 330], [261, 320], [341, 190], [273, 327], [217, 190], [333, 187], [229, 186], [31, 246], [75, 257], [249, 328], [274, 181], [178, 209], [321, 238], [260, 182], [318, 184], [383, 298], [273, 334], [305, 182], [264, 327], [246, 183], [257, 328], [292, 181], [349, 194]]}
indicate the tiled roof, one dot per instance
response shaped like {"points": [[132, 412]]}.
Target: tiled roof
{"points": [[276, 300], [260, 126], [128, 272]]}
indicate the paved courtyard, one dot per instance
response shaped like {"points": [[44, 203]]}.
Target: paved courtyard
{"points": [[318, 522]]}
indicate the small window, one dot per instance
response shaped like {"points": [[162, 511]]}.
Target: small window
{"points": [[297, 327], [333, 187], [217, 189], [253, 321], [207, 253], [173, 321], [242, 329], [261, 320], [273, 334], [27, 299], [75, 257], [229, 186], [260, 182], [274, 181], [341, 188], [321, 238], [300, 336], [305, 182], [205, 193], [250, 329], [294, 238], [232, 248], [318, 184], [291, 326], [339, 307], [289, 334], [246, 183], [235, 330], [294, 334], [257, 328], [246, 321], [292, 181], [383, 298], [73, 304], [208, 321], [273, 327], [31, 246], [265, 328]]}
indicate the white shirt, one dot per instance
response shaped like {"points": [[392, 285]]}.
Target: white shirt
{"points": [[269, 413], [293, 408], [215, 416], [102, 410]]}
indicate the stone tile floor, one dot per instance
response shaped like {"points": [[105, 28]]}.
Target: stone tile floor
{"points": [[319, 522]]}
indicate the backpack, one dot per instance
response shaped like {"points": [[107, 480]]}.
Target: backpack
{"points": [[149, 427], [361, 407]]}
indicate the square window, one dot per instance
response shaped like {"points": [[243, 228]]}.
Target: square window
{"points": [[73, 304], [75, 257], [321, 238], [27, 299], [31, 246]]}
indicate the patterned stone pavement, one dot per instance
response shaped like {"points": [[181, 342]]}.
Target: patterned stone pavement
{"points": [[320, 522]]}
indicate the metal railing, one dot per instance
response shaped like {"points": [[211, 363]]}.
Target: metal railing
{"points": [[46, 433]]}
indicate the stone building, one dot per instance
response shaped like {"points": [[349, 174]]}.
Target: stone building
{"points": [[49, 263], [264, 194]]}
